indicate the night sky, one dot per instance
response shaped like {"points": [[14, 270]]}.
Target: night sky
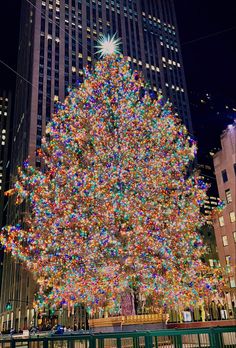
{"points": [[209, 62]]}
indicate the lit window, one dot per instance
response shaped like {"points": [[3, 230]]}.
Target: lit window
{"points": [[225, 240], [232, 282], [211, 262], [221, 221], [234, 233], [3, 131], [228, 196], [73, 69], [224, 175], [232, 216], [227, 260], [3, 142]]}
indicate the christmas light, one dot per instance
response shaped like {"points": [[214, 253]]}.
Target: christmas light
{"points": [[114, 209]]}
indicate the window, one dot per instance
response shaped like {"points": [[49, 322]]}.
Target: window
{"points": [[225, 240], [211, 262], [235, 168], [234, 234], [224, 175], [232, 282], [227, 260], [232, 216], [228, 196], [221, 221]]}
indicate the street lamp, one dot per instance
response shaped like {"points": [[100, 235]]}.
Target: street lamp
{"points": [[8, 306]]}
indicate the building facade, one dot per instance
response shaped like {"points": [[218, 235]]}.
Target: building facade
{"points": [[57, 39], [225, 224], [5, 114]]}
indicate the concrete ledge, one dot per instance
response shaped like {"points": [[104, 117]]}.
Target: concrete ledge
{"points": [[200, 324]]}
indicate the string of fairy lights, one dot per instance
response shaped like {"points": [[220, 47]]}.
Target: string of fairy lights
{"points": [[114, 210]]}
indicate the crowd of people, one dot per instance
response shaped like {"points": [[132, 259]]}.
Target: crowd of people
{"points": [[56, 329]]}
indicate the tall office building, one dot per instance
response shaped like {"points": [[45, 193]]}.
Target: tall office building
{"points": [[5, 114], [57, 39]]}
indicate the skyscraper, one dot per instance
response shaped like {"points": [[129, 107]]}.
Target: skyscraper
{"points": [[57, 39], [5, 112]]}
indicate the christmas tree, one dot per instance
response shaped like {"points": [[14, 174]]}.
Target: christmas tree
{"points": [[116, 208]]}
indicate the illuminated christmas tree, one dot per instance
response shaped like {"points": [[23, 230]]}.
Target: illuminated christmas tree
{"points": [[115, 209]]}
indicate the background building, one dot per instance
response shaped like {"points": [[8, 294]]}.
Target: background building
{"points": [[225, 225], [211, 114], [57, 39], [5, 114]]}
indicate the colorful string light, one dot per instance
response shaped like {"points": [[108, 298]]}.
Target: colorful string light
{"points": [[114, 208]]}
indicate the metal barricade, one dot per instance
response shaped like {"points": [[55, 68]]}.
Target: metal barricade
{"points": [[219, 337]]}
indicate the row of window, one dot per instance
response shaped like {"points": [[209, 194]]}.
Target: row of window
{"points": [[225, 239], [231, 216], [228, 196]]}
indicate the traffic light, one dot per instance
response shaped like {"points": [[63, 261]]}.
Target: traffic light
{"points": [[8, 306]]}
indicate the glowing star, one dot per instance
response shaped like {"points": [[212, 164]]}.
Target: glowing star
{"points": [[108, 45]]}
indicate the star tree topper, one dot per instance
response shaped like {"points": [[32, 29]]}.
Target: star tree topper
{"points": [[108, 45]]}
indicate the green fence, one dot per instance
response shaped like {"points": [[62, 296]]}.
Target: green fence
{"points": [[219, 337]]}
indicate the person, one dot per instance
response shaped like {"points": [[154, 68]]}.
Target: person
{"points": [[59, 330], [12, 331], [33, 330]]}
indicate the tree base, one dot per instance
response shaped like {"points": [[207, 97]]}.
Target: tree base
{"points": [[129, 323]]}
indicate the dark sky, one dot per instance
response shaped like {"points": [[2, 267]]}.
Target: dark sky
{"points": [[209, 63], [9, 32]]}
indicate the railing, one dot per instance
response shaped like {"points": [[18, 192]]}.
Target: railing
{"points": [[219, 337]]}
